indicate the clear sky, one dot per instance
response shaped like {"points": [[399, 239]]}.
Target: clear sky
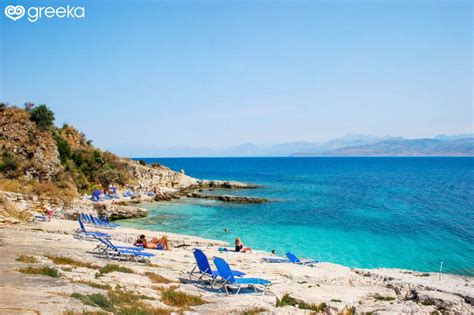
{"points": [[216, 73]]}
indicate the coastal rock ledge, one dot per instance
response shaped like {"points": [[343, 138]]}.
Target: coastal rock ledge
{"points": [[229, 198], [226, 184], [59, 274]]}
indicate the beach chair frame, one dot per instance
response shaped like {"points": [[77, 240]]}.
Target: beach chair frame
{"points": [[228, 279]]}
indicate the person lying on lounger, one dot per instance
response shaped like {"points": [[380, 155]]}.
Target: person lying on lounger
{"points": [[154, 243], [239, 246]]}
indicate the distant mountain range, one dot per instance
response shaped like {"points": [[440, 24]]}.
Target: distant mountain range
{"points": [[404, 147], [349, 145]]}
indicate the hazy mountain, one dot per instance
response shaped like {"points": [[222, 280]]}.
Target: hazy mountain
{"points": [[351, 144], [455, 137], [351, 140], [249, 149], [404, 147]]}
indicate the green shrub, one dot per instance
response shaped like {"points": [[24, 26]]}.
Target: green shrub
{"points": [[119, 301], [254, 311], [60, 260], [42, 116], [97, 157], [64, 148], [45, 270], [288, 300], [113, 267], [180, 299], [384, 298], [95, 285], [78, 158], [428, 302], [95, 299], [9, 165], [141, 309], [108, 175]]}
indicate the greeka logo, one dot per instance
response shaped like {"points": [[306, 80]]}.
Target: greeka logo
{"points": [[16, 12]]}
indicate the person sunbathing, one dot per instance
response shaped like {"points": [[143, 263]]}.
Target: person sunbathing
{"points": [[154, 243], [239, 246]]}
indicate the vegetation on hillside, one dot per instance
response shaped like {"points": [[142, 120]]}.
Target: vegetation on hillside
{"points": [[81, 167]]}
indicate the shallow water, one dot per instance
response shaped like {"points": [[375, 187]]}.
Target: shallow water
{"points": [[408, 213]]}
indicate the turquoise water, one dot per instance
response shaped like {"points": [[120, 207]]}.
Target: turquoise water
{"points": [[408, 213]]}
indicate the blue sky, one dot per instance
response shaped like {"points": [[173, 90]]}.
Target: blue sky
{"points": [[217, 73]]}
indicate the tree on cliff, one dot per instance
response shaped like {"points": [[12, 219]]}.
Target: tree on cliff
{"points": [[42, 116]]}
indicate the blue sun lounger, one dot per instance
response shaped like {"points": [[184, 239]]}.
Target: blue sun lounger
{"points": [[40, 217], [295, 260], [106, 221], [124, 252], [228, 278], [204, 268], [102, 224], [106, 244], [86, 219], [82, 232]]}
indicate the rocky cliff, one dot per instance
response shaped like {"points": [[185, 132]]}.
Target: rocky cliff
{"points": [[64, 158], [34, 150], [45, 166]]}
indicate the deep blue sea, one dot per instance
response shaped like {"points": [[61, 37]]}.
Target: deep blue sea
{"points": [[404, 212]]}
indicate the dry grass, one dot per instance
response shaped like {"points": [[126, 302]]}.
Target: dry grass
{"points": [[46, 189], [113, 267], [69, 312], [45, 270], [255, 311], [348, 311], [27, 259], [96, 299], [156, 278], [59, 260], [120, 302], [152, 265], [180, 299], [289, 300], [384, 298], [95, 285], [12, 185], [142, 309]]}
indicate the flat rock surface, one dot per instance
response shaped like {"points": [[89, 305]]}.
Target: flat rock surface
{"points": [[381, 291]]}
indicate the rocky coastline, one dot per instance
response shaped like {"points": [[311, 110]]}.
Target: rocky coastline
{"points": [[61, 274], [25, 206]]}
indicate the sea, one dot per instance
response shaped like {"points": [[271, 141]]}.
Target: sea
{"points": [[365, 212]]}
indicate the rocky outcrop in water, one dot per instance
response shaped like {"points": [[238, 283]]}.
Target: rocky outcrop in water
{"points": [[229, 198], [225, 184]]}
